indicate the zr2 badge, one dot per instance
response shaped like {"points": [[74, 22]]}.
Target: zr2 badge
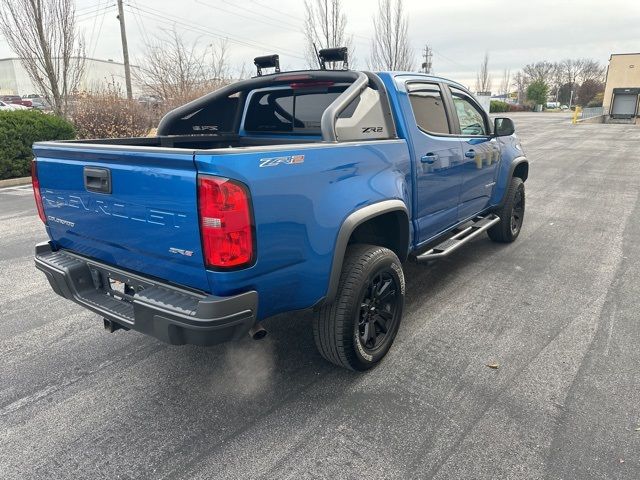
{"points": [[275, 161]]}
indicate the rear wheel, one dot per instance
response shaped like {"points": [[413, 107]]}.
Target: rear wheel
{"points": [[511, 214], [358, 328]]}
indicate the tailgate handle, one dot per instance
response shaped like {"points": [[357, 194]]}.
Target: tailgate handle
{"points": [[97, 179]]}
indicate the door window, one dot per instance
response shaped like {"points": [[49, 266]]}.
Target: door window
{"points": [[470, 115], [428, 107]]}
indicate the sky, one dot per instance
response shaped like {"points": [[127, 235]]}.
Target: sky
{"points": [[514, 32]]}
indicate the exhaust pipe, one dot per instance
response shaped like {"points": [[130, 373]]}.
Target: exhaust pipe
{"points": [[111, 326], [257, 332]]}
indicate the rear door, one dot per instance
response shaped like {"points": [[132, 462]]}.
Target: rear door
{"points": [[135, 208], [480, 150], [437, 159]]}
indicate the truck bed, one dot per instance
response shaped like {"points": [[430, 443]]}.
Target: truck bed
{"points": [[195, 142]]}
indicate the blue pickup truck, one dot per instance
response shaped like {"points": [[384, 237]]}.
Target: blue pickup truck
{"points": [[287, 191]]}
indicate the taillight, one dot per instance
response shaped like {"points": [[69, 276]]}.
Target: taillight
{"points": [[36, 190], [225, 222]]}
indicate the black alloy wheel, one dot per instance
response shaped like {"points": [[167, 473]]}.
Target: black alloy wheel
{"points": [[378, 310]]}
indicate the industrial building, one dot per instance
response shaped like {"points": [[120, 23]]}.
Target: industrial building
{"points": [[622, 90], [14, 79]]}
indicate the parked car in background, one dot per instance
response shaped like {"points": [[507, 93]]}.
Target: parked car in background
{"points": [[150, 100], [40, 104], [12, 106], [6, 107], [16, 100]]}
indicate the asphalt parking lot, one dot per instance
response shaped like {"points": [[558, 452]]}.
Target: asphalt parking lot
{"points": [[558, 311]]}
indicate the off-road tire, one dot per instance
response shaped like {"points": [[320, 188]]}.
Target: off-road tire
{"points": [[338, 327], [511, 214]]}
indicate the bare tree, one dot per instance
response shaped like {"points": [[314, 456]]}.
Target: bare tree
{"points": [[325, 27], [505, 83], [540, 71], [579, 70], [220, 68], [390, 48], [591, 70], [521, 83], [43, 34], [557, 80], [178, 71], [571, 69], [483, 77]]}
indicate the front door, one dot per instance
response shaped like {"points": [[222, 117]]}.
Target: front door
{"points": [[481, 154], [437, 160]]}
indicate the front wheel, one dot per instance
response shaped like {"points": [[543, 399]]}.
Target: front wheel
{"points": [[511, 214], [358, 328]]}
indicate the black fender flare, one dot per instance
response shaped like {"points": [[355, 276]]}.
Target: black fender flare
{"points": [[346, 229], [512, 168]]}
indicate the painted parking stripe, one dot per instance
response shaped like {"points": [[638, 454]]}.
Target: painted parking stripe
{"points": [[17, 191]]}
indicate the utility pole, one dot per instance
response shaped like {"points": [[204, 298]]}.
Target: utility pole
{"points": [[428, 55], [125, 50]]}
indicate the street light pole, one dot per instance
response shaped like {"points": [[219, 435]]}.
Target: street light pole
{"points": [[125, 51]]}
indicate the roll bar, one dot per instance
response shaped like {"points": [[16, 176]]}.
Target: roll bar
{"points": [[330, 115], [328, 120]]}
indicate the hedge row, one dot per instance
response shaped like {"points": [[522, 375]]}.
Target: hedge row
{"points": [[498, 106], [19, 129]]}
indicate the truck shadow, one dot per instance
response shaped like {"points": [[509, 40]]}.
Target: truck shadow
{"points": [[287, 358]]}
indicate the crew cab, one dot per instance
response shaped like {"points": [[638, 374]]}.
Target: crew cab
{"points": [[286, 191]]}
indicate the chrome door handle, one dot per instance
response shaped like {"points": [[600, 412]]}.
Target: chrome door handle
{"points": [[429, 158]]}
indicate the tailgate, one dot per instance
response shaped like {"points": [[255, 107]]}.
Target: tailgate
{"points": [[135, 208]]}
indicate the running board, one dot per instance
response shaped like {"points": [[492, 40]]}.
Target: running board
{"points": [[479, 225]]}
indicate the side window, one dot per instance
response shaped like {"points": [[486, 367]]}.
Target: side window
{"points": [[470, 116], [428, 107]]}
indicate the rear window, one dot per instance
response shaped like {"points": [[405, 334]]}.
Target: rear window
{"points": [[428, 107], [287, 110]]}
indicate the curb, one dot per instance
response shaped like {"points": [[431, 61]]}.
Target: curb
{"points": [[14, 182]]}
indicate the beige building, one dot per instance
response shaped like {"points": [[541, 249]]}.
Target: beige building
{"points": [[622, 89]]}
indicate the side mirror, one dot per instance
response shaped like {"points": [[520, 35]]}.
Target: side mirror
{"points": [[503, 127]]}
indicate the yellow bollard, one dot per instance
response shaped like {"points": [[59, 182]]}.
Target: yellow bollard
{"points": [[576, 112]]}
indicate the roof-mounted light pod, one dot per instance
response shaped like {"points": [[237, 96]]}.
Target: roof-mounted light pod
{"points": [[267, 61], [337, 54]]}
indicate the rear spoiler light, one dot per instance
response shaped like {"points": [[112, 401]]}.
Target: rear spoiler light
{"points": [[299, 85]]}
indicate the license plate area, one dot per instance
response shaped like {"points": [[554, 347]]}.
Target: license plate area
{"points": [[116, 285], [121, 290]]}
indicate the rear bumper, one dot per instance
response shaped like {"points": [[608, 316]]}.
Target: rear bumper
{"points": [[171, 314]]}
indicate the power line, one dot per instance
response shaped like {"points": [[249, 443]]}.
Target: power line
{"points": [[202, 29], [92, 37], [138, 19], [199, 28], [295, 17], [96, 11], [273, 21], [301, 21], [93, 53], [92, 7], [444, 57]]}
